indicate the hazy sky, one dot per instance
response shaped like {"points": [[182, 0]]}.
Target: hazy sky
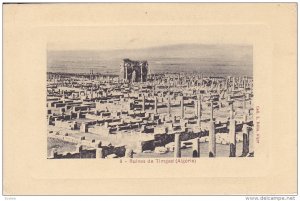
{"points": [[216, 59]]}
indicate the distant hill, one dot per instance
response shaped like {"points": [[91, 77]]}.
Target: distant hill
{"points": [[216, 59]]}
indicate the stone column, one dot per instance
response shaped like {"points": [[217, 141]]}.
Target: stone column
{"points": [[196, 148], [79, 149], [245, 83], [212, 111], [139, 147], [251, 142], [232, 138], [169, 104], [50, 120], [231, 113], [247, 96], [106, 124], [232, 134], [245, 140], [99, 153], [212, 139], [196, 107], [143, 103], [84, 128], [91, 91], [129, 153], [200, 110], [53, 153], [141, 73], [177, 149], [182, 107], [155, 105]]}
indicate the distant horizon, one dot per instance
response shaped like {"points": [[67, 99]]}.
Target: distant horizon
{"points": [[218, 59]]}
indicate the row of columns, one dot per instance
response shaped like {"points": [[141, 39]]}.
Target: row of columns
{"points": [[169, 105], [212, 144], [212, 137]]}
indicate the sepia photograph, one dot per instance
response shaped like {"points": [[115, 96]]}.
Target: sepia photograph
{"points": [[150, 99], [182, 100]]}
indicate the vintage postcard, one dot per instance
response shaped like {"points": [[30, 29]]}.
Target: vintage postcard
{"points": [[124, 99], [185, 100]]}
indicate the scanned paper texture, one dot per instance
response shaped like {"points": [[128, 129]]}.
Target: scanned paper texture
{"points": [[118, 99]]}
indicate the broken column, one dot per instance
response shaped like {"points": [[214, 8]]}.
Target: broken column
{"points": [[126, 73], [143, 103], [139, 147], [49, 120], [129, 153], [182, 107], [245, 140], [232, 138], [244, 102], [212, 139], [196, 148], [231, 113], [232, 134], [141, 73], [200, 110], [212, 135], [84, 127], [99, 153], [196, 107], [78, 114], [53, 153], [212, 110], [247, 96], [155, 105], [177, 145], [169, 104], [245, 83], [251, 143], [79, 149]]}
